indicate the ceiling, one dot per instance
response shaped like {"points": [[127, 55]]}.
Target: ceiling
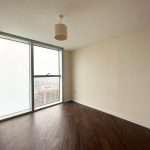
{"points": [[88, 21]]}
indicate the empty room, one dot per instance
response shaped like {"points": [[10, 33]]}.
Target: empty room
{"points": [[74, 75]]}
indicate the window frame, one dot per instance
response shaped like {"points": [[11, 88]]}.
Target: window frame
{"points": [[33, 43], [44, 76]]}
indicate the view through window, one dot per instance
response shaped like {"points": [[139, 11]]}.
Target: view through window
{"points": [[46, 76]]}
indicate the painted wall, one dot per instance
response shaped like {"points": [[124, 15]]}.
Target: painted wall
{"points": [[66, 76], [114, 76]]}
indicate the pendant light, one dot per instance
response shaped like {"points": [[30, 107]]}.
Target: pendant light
{"points": [[60, 30]]}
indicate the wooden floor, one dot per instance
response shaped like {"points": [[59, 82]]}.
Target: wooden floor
{"points": [[72, 126]]}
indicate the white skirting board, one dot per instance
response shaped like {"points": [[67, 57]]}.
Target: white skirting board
{"points": [[114, 114]]}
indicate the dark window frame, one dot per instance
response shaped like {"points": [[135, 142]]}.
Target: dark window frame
{"points": [[33, 43], [59, 75]]}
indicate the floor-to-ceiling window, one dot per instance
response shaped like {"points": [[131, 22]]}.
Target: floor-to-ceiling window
{"points": [[47, 76], [15, 76], [30, 75]]}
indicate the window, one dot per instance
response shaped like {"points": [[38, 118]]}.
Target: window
{"points": [[46, 76], [14, 77], [30, 75]]}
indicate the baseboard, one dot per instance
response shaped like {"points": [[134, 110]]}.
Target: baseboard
{"points": [[67, 100], [114, 114]]}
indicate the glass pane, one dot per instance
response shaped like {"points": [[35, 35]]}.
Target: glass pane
{"points": [[46, 90], [14, 77], [45, 61]]}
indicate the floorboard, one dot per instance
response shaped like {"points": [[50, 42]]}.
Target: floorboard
{"points": [[71, 126]]}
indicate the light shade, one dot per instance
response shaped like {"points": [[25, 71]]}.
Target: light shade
{"points": [[60, 32]]}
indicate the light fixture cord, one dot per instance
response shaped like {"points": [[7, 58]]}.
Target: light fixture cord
{"points": [[60, 20], [61, 17]]}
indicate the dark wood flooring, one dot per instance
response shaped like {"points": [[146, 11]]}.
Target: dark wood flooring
{"points": [[72, 126]]}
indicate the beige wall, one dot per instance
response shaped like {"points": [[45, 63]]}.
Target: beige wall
{"points": [[66, 76], [114, 76]]}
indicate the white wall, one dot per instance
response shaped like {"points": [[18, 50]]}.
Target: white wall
{"points": [[66, 76], [114, 76]]}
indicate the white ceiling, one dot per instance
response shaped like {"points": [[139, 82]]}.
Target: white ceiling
{"points": [[88, 20]]}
